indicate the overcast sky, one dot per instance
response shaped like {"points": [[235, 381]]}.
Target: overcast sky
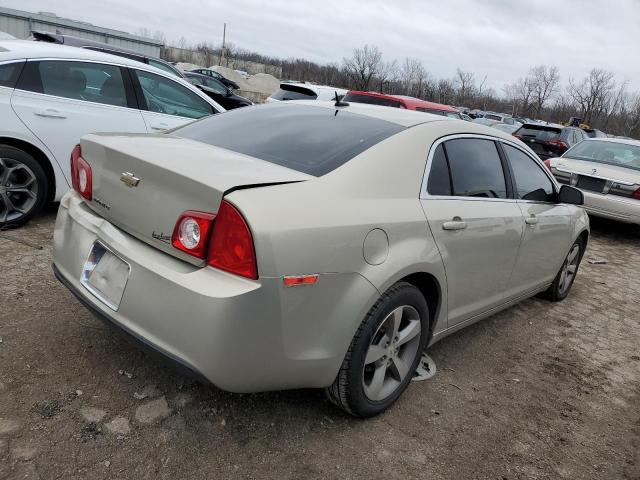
{"points": [[501, 39]]}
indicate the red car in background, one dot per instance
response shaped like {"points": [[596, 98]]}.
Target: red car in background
{"points": [[401, 101]]}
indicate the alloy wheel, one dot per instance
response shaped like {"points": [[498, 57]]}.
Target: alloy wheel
{"points": [[569, 269], [18, 189], [391, 353]]}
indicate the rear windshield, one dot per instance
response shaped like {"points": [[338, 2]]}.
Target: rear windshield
{"points": [[294, 92], [611, 153], [541, 132], [431, 110], [493, 117], [310, 139], [385, 102]]}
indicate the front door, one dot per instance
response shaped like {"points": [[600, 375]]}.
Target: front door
{"points": [[476, 226]]}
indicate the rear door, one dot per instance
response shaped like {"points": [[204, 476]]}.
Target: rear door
{"points": [[477, 226], [547, 223], [62, 100], [166, 103]]}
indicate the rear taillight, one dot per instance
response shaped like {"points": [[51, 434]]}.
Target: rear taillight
{"points": [[223, 239], [191, 233], [231, 247], [557, 143], [636, 194], [81, 177], [547, 163]]}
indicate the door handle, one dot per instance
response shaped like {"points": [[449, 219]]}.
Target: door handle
{"points": [[456, 223], [160, 126], [532, 220], [50, 113]]}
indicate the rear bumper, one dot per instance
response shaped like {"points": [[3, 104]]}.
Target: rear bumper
{"points": [[612, 207], [241, 335]]}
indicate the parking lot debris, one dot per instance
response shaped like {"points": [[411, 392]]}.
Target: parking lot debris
{"points": [[597, 261], [118, 426], [426, 369], [153, 411], [106, 463], [125, 373]]}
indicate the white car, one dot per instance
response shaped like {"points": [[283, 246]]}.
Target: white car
{"points": [[51, 95], [305, 91], [607, 170]]}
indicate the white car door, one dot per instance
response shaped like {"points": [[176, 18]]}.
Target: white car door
{"points": [[166, 104], [476, 224], [547, 232], [59, 101]]}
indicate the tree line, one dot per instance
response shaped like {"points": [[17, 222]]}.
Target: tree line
{"points": [[598, 99]]}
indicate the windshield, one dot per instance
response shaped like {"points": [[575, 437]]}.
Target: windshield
{"points": [[539, 132], [610, 153], [311, 140]]}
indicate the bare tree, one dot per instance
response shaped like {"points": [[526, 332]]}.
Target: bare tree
{"points": [[465, 81], [387, 73], [363, 66], [519, 92], [412, 74], [543, 82], [592, 92], [445, 91]]}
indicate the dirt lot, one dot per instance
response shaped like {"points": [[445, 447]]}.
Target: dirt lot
{"points": [[538, 391]]}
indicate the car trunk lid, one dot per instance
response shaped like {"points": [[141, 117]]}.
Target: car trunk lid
{"points": [[142, 183]]}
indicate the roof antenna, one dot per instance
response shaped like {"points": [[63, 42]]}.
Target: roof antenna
{"points": [[339, 102]]}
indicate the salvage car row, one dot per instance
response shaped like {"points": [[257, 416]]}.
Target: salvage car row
{"points": [[209, 243]]}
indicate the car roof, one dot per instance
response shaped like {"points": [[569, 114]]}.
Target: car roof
{"points": [[407, 100], [17, 49]]}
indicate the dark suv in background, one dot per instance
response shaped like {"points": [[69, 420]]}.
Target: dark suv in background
{"points": [[549, 140]]}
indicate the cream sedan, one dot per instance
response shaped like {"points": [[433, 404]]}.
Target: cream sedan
{"points": [[607, 170], [312, 244]]}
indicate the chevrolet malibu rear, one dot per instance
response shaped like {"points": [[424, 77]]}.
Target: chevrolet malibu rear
{"points": [[287, 245]]}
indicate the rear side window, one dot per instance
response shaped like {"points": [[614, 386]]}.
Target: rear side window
{"points": [[476, 169], [530, 181], [91, 82], [164, 67], [439, 178], [9, 73], [372, 100], [309, 139], [294, 92]]}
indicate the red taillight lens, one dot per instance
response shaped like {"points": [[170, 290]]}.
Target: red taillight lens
{"points": [[191, 233], [81, 177], [547, 163], [231, 247], [636, 194], [558, 143]]}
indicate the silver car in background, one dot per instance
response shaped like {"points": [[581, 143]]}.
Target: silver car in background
{"points": [[312, 244], [607, 170]]}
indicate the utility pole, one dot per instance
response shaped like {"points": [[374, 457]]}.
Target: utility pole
{"points": [[224, 36]]}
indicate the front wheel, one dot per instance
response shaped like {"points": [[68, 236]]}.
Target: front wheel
{"points": [[563, 282], [23, 186], [383, 354]]}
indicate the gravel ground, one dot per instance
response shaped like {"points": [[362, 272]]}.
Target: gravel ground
{"points": [[539, 391]]}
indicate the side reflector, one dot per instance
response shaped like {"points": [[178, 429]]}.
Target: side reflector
{"points": [[292, 281]]}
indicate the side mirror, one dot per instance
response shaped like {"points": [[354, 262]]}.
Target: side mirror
{"points": [[570, 195]]}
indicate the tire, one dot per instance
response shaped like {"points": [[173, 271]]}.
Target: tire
{"points": [[559, 290], [23, 187], [360, 388]]}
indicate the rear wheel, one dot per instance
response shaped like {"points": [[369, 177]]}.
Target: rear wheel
{"points": [[23, 186], [563, 282], [383, 354]]}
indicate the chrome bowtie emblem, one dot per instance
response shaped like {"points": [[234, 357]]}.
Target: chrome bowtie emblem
{"points": [[129, 179], [594, 171]]}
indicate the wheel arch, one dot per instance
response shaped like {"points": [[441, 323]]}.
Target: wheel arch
{"points": [[431, 290], [39, 156]]}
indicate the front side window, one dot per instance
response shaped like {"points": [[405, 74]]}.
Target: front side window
{"points": [[166, 96], [164, 67], [476, 169], [531, 183], [9, 74], [91, 82], [215, 85]]}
